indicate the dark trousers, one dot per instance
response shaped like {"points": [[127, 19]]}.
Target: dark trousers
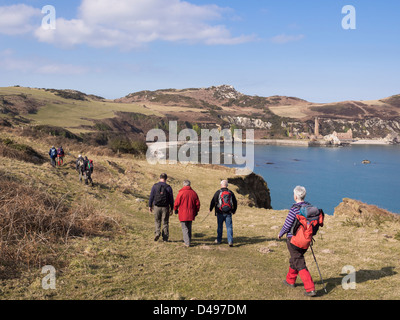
{"points": [[296, 261], [88, 177], [161, 216], [298, 267]]}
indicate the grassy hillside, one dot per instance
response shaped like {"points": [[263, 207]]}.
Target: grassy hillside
{"points": [[64, 111], [120, 260]]}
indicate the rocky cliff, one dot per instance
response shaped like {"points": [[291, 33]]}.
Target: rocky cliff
{"points": [[256, 188]]}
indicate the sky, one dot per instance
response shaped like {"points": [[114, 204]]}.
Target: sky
{"points": [[311, 49]]}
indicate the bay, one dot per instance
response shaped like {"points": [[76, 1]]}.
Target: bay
{"points": [[331, 174]]}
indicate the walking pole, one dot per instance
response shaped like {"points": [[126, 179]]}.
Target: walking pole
{"points": [[322, 280]]}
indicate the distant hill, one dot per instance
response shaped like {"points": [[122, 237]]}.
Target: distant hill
{"points": [[101, 120]]}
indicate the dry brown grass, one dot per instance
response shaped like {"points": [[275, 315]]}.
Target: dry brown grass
{"points": [[34, 223]]}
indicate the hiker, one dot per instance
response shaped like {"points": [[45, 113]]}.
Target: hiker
{"points": [[60, 156], [53, 156], [80, 167], [162, 199], [88, 170], [187, 205], [225, 204], [297, 261]]}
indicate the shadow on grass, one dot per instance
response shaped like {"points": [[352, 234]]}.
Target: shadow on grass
{"points": [[361, 276], [199, 238]]}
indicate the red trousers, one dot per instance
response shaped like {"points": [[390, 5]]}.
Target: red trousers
{"points": [[298, 267]]}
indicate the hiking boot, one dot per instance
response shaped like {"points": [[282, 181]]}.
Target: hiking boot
{"points": [[310, 294], [217, 242], [156, 238], [231, 244], [288, 284]]}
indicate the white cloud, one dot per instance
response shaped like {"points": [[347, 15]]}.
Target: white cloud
{"points": [[283, 38], [18, 19], [130, 24]]}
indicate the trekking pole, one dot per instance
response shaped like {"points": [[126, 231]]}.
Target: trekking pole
{"points": [[322, 280], [205, 217]]}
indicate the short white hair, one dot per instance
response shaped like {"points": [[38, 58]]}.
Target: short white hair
{"points": [[300, 192], [186, 183], [224, 183]]}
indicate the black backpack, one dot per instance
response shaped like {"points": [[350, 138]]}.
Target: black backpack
{"points": [[161, 195]]}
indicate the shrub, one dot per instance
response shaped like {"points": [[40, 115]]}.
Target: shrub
{"points": [[13, 150], [128, 146], [34, 223], [57, 132]]}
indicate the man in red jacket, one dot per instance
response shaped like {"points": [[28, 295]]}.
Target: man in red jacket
{"points": [[187, 203]]}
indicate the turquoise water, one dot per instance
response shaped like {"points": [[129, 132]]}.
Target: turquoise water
{"points": [[331, 174]]}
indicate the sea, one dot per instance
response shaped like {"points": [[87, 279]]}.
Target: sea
{"points": [[331, 174]]}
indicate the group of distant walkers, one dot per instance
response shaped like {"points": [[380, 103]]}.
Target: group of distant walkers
{"points": [[300, 226], [56, 156], [85, 168], [83, 165]]}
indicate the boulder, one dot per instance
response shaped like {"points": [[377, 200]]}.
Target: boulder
{"points": [[255, 187]]}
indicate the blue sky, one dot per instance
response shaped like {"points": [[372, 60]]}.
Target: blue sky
{"points": [[261, 47]]}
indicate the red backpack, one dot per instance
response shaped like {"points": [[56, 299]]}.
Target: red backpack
{"points": [[306, 225], [225, 203]]}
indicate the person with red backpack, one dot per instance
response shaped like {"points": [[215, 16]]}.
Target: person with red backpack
{"points": [[60, 156], [225, 204], [88, 170], [301, 225]]}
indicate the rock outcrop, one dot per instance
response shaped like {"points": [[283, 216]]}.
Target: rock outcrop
{"points": [[256, 188], [354, 209], [226, 92]]}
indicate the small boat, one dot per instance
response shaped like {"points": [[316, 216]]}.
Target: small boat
{"points": [[366, 162]]}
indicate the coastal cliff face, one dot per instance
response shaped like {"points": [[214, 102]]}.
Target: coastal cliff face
{"points": [[362, 128], [256, 188]]}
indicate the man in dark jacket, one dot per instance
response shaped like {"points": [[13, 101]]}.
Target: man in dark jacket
{"points": [[53, 155], [162, 199], [87, 172], [187, 205], [225, 204]]}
